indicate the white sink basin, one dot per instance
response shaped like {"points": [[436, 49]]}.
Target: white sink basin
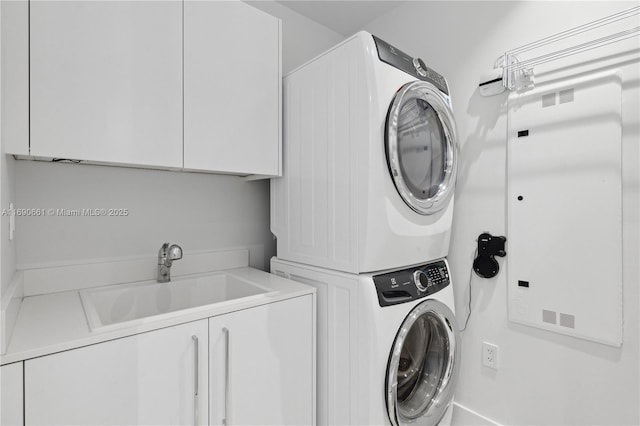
{"points": [[129, 304]]}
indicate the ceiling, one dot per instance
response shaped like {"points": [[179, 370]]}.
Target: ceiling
{"points": [[344, 17]]}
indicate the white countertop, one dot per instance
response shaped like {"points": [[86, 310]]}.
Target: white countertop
{"points": [[56, 322]]}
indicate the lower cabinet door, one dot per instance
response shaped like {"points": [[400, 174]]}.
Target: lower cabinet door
{"points": [[11, 395], [154, 378], [262, 365]]}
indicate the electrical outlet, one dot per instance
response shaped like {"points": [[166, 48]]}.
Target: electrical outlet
{"points": [[490, 355]]}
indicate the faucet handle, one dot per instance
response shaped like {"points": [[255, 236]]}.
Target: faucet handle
{"points": [[174, 252]]}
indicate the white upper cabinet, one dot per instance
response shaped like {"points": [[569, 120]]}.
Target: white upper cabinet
{"points": [[232, 88], [106, 81], [111, 82], [14, 81]]}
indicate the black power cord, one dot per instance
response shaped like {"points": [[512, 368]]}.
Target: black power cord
{"points": [[466, 321]]}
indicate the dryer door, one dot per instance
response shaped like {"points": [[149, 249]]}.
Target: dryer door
{"points": [[423, 365], [421, 145]]}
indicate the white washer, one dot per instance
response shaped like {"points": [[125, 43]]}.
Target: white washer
{"points": [[369, 160], [388, 344]]}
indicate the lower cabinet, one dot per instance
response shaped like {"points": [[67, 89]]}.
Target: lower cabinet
{"points": [[251, 367], [11, 395], [261, 364], [147, 379]]}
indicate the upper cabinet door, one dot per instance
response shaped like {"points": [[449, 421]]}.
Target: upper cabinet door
{"points": [[106, 81], [232, 88]]}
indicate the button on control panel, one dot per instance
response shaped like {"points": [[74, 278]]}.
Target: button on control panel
{"points": [[437, 276], [435, 77], [413, 283]]}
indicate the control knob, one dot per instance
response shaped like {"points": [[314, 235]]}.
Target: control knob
{"points": [[420, 67], [421, 280]]}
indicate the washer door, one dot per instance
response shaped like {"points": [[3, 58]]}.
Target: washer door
{"points": [[423, 365], [422, 149]]}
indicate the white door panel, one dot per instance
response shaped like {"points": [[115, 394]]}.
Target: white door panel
{"points": [[106, 81], [270, 365], [147, 379], [231, 88]]}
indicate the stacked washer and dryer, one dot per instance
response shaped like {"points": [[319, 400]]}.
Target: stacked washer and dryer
{"points": [[363, 213]]}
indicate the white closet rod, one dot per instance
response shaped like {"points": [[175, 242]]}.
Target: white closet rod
{"points": [[513, 66], [622, 35], [577, 30]]}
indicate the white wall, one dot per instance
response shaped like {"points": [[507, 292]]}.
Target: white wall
{"points": [[543, 378], [302, 38], [197, 211]]}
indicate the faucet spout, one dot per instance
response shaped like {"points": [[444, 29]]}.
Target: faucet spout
{"points": [[166, 255]]}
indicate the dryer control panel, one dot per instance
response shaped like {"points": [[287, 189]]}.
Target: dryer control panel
{"points": [[414, 66], [412, 283]]}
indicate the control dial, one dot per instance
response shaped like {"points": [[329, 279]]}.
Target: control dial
{"points": [[420, 67], [421, 280]]}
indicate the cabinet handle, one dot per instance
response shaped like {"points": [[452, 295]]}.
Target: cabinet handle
{"points": [[196, 363], [225, 420]]}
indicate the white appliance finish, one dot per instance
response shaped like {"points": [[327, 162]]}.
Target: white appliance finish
{"points": [[337, 205], [568, 173], [11, 388], [106, 81], [232, 88], [356, 340]]}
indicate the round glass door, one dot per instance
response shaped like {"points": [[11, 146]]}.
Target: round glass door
{"points": [[422, 147], [423, 365]]}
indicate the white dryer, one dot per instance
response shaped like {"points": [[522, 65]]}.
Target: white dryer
{"points": [[388, 348], [369, 160]]}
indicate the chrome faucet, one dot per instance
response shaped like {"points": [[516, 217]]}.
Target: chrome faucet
{"points": [[166, 256]]}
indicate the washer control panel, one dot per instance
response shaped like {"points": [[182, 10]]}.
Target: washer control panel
{"points": [[414, 66], [412, 283]]}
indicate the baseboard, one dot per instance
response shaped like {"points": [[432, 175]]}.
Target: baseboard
{"points": [[463, 416], [11, 303]]}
